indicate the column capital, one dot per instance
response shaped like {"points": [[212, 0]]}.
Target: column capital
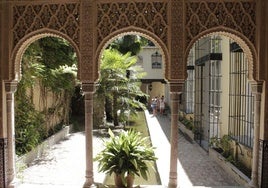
{"points": [[256, 87], [11, 86], [176, 86], [88, 87]]}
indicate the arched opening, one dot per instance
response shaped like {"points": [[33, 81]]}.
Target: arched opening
{"points": [[46, 71], [134, 31], [150, 85], [218, 102], [83, 21]]}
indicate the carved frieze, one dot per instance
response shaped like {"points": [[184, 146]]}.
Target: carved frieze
{"points": [[237, 15], [59, 17], [148, 15]]}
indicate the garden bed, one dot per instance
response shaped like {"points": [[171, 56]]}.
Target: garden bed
{"points": [[186, 131], [233, 171], [29, 157]]}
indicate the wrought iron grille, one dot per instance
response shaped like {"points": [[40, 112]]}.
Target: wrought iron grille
{"points": [[241, 101]]}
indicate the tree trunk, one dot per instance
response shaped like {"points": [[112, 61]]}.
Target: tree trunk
{"points": [[108, 110], [115, 109]]}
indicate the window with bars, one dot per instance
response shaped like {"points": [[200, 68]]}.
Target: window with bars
{"points": [[241, 101], [214, 97]]}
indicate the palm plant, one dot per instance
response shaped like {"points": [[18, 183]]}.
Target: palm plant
{"points": [[118, 89], [127, 154]]}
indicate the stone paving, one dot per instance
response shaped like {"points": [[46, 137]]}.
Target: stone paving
{"points": [[64, 164], [195, 168]]}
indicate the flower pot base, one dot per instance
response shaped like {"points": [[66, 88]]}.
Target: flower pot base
{"points": [[119, 183]]}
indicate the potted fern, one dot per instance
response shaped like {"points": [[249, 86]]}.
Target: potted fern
{"points": [[125, 156]]}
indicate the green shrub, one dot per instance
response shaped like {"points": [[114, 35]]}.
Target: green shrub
{"points": [[186, 122], [224, 144], [29, 130], [127, 153]]}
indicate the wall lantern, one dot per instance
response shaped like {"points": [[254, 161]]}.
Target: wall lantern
{"points": [[150, 87]]}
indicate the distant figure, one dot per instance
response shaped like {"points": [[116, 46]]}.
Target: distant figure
{"points": [[154, 105], [162, 105]]}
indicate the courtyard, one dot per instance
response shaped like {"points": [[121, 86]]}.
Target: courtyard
{"points": [[64, 164]]}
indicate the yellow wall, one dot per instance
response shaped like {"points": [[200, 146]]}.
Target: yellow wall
{"points": [[225, 86], [42, 104]]}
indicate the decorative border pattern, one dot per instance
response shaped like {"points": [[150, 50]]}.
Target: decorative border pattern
{"points": [[236, 15], [260, 160], [264, 163], [176, 68], [86, 71], [3, 162], [59, 17]]}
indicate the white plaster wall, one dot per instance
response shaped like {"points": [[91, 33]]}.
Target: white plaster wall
{"points": [[146, 53], [225, 47], [158, 88]]}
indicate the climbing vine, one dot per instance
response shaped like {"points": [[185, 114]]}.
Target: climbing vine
{"points": [[43, 97]]}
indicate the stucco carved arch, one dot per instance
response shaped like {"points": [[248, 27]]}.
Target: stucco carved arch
{"points": [[242, 40], [22, 45], [132, 31], [234, 19]]}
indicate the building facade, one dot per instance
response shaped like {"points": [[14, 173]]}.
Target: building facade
{"points": [[153, 83], [223, 101]]}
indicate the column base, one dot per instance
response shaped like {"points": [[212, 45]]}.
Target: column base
{"points": [[172, 181], [172, 185], [3, 162], [263, 165], [252, 184], [89, 184], [14, 183]]}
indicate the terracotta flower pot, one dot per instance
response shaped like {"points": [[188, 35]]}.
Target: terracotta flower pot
{"points": [[119, 183]]}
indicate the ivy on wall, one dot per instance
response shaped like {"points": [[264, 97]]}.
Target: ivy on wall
{"points": [[48, 70]]}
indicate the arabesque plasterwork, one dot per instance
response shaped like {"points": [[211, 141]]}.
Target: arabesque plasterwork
{"points": [[149, 15], [237, 15], [234, 19], [62, 17], [164, 19], [89, 24]]}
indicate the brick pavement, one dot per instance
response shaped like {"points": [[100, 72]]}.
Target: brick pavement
{"points": [[64, 164]]}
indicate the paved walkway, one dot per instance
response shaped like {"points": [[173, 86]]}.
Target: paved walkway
{"points": [[64, 164], [195, 168]]}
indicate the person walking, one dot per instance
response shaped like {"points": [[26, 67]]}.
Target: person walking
{"points": [[154, 105], [162, 105]]}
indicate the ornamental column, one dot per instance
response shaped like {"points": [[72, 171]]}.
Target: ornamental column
{"points": [[88, 90], [257, 91], [175, 91], [261, 63], [10, 88]]}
